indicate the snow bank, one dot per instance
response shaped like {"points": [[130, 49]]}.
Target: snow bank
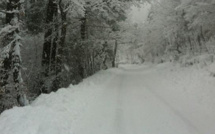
{"points": [[54, 113], [211, 69], [189, 92], [201, 60]]}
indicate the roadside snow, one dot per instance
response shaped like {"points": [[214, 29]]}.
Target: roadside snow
{"points": [[55, 113], [146, 99]]}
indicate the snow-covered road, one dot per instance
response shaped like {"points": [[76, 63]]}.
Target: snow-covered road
{"points": [[135, 108], [147, 99]]}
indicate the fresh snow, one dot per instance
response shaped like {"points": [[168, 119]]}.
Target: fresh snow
{"points": [[146, 99]]}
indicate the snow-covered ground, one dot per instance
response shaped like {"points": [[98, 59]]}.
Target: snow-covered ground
{"points": [[146, 99]]}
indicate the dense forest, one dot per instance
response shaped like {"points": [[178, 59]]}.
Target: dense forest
{"points": [[175, 31], [49, 44]]}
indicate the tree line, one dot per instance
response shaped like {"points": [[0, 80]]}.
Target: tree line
{"points": [[48, 44], [175, 29]]}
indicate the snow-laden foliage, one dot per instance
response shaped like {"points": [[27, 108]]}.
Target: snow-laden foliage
{"points": [[10, 54], [64, 41], [200, 14], [96, 20], [176, 28]]}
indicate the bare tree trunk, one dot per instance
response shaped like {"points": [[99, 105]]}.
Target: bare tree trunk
{"points": [[50, 43], [114, 54], [48, 52], [61, 53], [200, 43], [203, 39], [190, 42]]}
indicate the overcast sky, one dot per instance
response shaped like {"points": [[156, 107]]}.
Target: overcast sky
{"points": [[139, 15]]}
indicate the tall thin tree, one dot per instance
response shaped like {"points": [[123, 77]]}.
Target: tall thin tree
{"points": [[11, 54]]}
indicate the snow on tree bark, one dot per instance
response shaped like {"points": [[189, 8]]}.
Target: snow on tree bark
{"points": [[11, 54]]}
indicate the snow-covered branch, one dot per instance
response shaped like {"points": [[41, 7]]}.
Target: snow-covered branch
{"points": [[9, 12]]}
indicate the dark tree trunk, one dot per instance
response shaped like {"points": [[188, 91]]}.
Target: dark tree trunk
{"points": [[114, 54], [178, 45], [61, 48], [49, 48], [61, 53], [54, 49], [84, 34], [203, 39], [83, 28], [199, 42], [5, 71], [47, 51], [12, 5], [50, 43]]}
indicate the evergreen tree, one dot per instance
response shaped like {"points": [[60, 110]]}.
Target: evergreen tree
{"points": [[10, 54]]}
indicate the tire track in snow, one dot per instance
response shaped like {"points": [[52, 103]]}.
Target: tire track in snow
{"points": [[119, 111], [128, 122], [138, 73], [192, 128]]}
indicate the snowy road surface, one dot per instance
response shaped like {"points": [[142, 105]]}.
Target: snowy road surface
{"points": [[146, 99]]}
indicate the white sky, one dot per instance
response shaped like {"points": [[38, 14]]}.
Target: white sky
{"points": [[139, 15]]}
